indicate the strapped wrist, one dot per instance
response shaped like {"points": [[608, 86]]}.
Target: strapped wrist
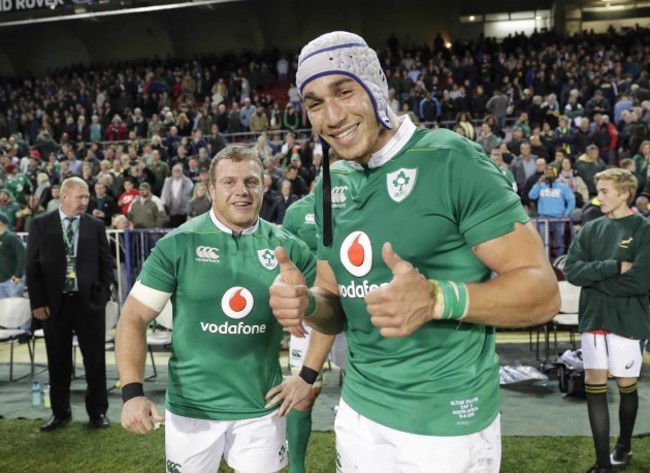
{"points": [[451, 299], [131, 390], [308, 375]]}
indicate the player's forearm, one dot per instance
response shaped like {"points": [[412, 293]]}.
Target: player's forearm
{"points": [[519, 298], [319, 347], [130, 346], [327, 317]]}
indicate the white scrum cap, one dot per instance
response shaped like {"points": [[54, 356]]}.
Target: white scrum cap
{"points": [[346, 53]]}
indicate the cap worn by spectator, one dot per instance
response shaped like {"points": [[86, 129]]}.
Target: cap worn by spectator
{"points": [[10, 167], [145, 185]]}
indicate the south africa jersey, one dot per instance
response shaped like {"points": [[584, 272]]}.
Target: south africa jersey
{"points": [[434, 196], [609, 300], [225, 344]]}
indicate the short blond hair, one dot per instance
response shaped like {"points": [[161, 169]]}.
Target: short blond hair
{"points": [[71, 183], [624, 181]]}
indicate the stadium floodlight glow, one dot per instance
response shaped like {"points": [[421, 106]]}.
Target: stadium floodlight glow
{"points": [[124, 11]]}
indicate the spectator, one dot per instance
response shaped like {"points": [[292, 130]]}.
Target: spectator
{"points": [[27, 213], [582, 137], [8, 208], [290, 118], [587, 166], [245, 113], [17, 183], [12, 261], [200, 202], [554, 200], [216, 141], [486, 139], [540, 167], [283, 201], [497, 159], [144, 212], [54, 202], [497, 105], [129, 195], [573, 181], [298, 184], [523, 166], [176, 195], [464, 120], [102, 205], [259, 120], [563, 135], [597, 105]]}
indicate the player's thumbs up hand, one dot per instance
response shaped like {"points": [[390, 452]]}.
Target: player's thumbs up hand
{"points": [[289, 273], [288, 293], [394, 262], [402, 306]]}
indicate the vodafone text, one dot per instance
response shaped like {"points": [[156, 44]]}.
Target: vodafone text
{"points": [[228, 328], [357, 290]]}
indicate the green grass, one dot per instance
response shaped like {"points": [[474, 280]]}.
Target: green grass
{"points": [[79, 449]]}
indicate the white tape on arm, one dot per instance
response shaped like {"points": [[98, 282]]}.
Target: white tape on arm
{"points": [[152, 298]]}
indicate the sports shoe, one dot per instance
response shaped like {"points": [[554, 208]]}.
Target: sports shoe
{"points": [[596, 469], [621, 457]]}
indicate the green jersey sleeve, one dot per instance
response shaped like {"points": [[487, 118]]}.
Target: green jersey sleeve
{"points": [[484, 203]]}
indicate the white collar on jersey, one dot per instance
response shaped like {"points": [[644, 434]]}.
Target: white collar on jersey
{"points": [[221, 226], [397, 142]]}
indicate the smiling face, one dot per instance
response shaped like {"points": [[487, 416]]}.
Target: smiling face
{"points": [[342, 113], [236, 191]]}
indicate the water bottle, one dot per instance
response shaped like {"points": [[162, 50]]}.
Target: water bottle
{"points": [[46, 396], [36, 394]]}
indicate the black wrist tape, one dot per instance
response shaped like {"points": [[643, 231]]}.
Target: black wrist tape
{"points": [[131, 390], [308, 375]]}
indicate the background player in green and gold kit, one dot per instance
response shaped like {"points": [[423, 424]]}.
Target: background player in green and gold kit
{"points": [[216, 269], [420, 219], [610, 260]]}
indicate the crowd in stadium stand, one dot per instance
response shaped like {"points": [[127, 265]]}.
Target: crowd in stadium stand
{"points": [[142, 134]]}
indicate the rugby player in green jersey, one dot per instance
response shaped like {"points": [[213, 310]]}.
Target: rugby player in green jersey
{"points": [[419, 222], [216, 270]]}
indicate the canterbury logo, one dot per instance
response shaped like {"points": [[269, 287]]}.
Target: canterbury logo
{"points": [[338, 196], [207, 254], [625, 243]]}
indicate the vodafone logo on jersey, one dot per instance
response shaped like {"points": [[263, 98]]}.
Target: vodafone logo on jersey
{"points": [[237, 302], [356, 254]]}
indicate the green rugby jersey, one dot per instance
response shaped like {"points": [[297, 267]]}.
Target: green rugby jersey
{"points": [[435, 198], [226, 341], [299, 220]]}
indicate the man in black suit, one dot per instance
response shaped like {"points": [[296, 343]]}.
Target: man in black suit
{"points": [[69, 273]]}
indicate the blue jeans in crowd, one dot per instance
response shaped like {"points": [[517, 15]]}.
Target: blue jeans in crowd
{"points": [[556, 229], [9, 289]]}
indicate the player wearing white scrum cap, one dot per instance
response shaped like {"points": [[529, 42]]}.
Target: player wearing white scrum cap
{"points": [[415, 224]]}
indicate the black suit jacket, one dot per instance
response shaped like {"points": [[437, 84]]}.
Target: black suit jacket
{"points": [[46, 263]]}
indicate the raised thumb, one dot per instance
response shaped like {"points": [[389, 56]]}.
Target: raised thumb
{"points": [[290, 273], [394, 262]]}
